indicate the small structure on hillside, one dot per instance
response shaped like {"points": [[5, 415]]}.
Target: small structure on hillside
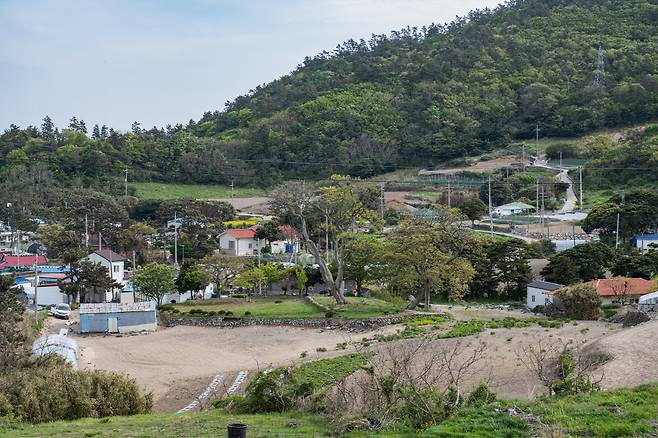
{"points": [[238, 242], [645, 242], [118, 317], [540, 293], [513, 208]]}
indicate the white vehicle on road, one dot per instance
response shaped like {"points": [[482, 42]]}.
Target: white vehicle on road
{"points": [[60, 311]]}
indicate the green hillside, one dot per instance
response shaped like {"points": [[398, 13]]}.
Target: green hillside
{"points": [[415, 97]]}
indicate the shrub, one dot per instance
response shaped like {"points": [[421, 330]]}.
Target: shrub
{"points": [[278, 302], [239, 296], [321, 349], [228, 313], [481, 396], [580, 302], [330, 314], [303, 354], [247, 313], [55, 391]]}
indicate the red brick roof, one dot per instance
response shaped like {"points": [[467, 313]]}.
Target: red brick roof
{"points": [[636, 286], [12, 261], [242, 234]]}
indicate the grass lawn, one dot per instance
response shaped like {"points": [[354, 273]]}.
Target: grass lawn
{"points": [[358, 307], [210, 423], [149, 190], [624, 412], [260, 307], [294, 307]]}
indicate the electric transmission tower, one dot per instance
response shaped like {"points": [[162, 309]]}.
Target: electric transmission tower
{"points": [[599, 78]]}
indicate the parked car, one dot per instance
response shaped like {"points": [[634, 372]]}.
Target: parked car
{"points": [[60, 311]]}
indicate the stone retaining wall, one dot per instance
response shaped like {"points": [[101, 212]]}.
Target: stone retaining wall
{"points": [[354, 325]]}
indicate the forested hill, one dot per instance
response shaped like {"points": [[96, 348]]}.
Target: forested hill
{"points": [[416, 96]]}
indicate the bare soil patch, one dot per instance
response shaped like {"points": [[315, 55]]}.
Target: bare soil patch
{"points": [[177, 363]]}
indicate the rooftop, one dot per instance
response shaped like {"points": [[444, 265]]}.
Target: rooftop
{"points": [[109, 255], [610, 287], [241, 234], [545, 285]]}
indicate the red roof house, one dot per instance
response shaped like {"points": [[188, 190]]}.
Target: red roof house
{"points": [[12, 261], [611, 289]]}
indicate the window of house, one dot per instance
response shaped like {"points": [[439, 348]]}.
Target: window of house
{"points": [[251, 245], [116, 268], [533, 298], [231, 244]]}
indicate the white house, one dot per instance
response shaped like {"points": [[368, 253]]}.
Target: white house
{"points": [[113, 262], [645, 242], [240, 243], [512, 208], [540, 293]]}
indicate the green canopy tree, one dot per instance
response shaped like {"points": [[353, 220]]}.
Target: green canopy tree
{"points": [[12, 337], [192, 278], [154, 281], [580, 263], [328, 213], [473, 208], [223, 269], [362, 259], [419, 258]]}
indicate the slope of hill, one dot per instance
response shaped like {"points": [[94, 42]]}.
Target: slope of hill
{"points": [[414, 97]]}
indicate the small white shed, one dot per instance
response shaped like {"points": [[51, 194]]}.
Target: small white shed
{"points": [[651, 298], [540, 293]]}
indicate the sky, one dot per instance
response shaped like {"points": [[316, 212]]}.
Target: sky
{"points": [[113, 62]]}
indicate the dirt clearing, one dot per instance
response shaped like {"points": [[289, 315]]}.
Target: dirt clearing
{"points": [[183, 360]]}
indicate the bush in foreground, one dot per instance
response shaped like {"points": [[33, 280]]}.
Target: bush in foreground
{"points": [[580, 302], [55, 391]]}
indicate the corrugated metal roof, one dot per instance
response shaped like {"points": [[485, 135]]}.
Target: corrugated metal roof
{"points": [[142, 306], [545, 285]]}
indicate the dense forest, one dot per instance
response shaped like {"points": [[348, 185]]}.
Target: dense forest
{"points": [[414, 97]]}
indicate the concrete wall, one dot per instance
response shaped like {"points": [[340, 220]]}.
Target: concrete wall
{"points": [[126, 321], [46, 295]]}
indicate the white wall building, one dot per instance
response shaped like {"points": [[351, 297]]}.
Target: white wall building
{"points": [[645, 242], [112, 261], [540, 293], [240, 243]]}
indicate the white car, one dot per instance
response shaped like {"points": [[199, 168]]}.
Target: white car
{"points": [[60, 311]]}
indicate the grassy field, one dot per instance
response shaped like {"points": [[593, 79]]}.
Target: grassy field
{"points": [[625, 412], [293, 307], [148, 190]]}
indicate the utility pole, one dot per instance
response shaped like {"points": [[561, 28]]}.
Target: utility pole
{"points": [[326, 235], [449, 201], [580, 168], [36, 292], [618, 217], [175, 240], [381, 203], [560, 158], [542, 209], [126, 183], [100, 241], [86, 232], [537, 199], [537, 134], [490, 210], [232, 185]]}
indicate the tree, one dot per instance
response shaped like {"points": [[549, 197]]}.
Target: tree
{"points": [[269, 232], [637, 265], [580, 263], [89, 282], [192, 278], [223, 269], [500, 262], [419, 259], [330, 210], [637, 213], [362, 254], [61, 243], [154, 281], [580, 302], [12, 337], [296, 277], [473, 208]]}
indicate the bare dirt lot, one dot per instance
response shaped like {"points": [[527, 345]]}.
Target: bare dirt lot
{"points": [[178, 363], [479, 167]]}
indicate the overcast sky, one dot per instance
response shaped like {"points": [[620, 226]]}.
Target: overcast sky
{"points": [[166, 61]]}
